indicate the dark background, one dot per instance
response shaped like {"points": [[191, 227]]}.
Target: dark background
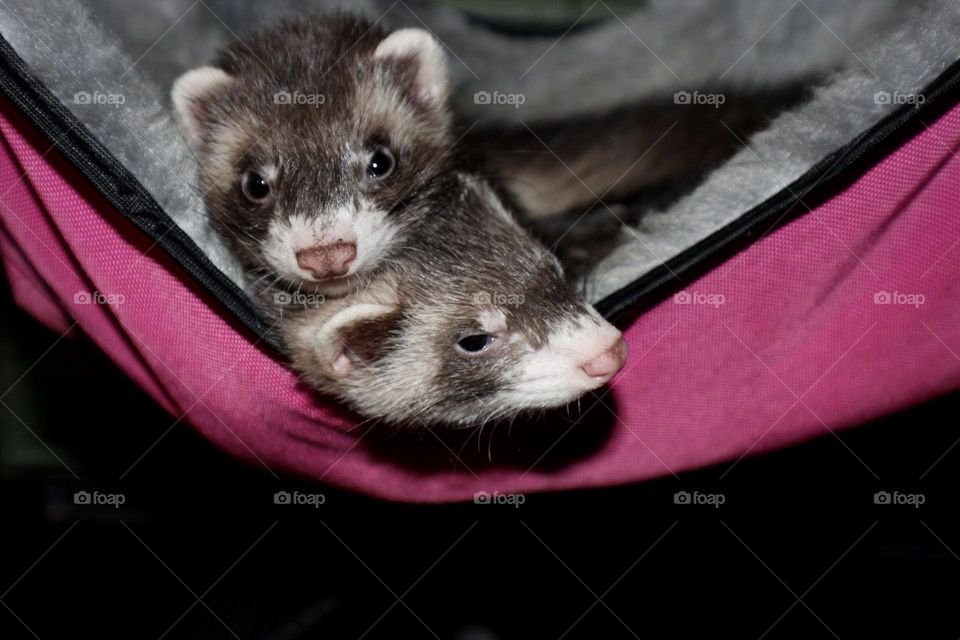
{"points": [[796, 524]]}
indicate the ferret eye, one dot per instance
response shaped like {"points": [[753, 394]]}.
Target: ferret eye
{"points": [[381, 164], [255, 187], [475, 344]]}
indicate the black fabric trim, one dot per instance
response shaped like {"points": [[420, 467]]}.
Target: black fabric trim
{"points": [[119, 187]]}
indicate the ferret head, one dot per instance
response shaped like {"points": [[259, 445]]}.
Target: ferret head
{"points": [[478, 324], [311, 136]]}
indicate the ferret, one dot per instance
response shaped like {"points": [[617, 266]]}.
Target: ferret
{"points": [[470, 320], [323, 146], [311, 134], [554, 167]]}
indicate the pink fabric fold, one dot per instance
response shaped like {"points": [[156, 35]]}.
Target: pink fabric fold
{"points": [[847, 313]]}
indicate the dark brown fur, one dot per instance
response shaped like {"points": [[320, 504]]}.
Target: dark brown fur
{"points": [[554, 167], [366, 103]]}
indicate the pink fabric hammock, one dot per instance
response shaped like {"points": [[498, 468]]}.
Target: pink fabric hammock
{"points": [[844, 314]]}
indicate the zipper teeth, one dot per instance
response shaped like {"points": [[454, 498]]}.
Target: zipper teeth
{"points": [[119, 187], [649, 287]]}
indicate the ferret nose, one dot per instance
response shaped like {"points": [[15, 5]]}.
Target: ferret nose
{"points": [[609, 362], [327, 260]]}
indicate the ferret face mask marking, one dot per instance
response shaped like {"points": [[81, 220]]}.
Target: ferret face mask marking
{"points": [[487, 328], [311, 136]]}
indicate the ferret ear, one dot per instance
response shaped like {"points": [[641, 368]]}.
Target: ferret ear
{"points": [[432, 84], [354, 336], [190, 91]]}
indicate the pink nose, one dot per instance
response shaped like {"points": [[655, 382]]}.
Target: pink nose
{"points": [[609, 362], [327, 260]]}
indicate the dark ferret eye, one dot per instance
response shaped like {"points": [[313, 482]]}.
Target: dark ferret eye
{"points": [[381, 163], [255, 187], [475, 344]]}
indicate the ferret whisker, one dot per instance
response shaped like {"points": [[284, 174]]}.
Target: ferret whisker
{"points": [[375, 419], [490, 443], [466, 441]]}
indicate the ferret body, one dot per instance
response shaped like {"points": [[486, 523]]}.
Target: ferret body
{"points": [[553, 167], [311, 134], [470, 320]]}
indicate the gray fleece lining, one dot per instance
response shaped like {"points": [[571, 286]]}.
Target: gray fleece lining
{"points": [[96, 54]]}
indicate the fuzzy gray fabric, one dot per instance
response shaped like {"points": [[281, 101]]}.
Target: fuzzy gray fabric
{"points": [[76, 59], [894, 68], [136, 49]]}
